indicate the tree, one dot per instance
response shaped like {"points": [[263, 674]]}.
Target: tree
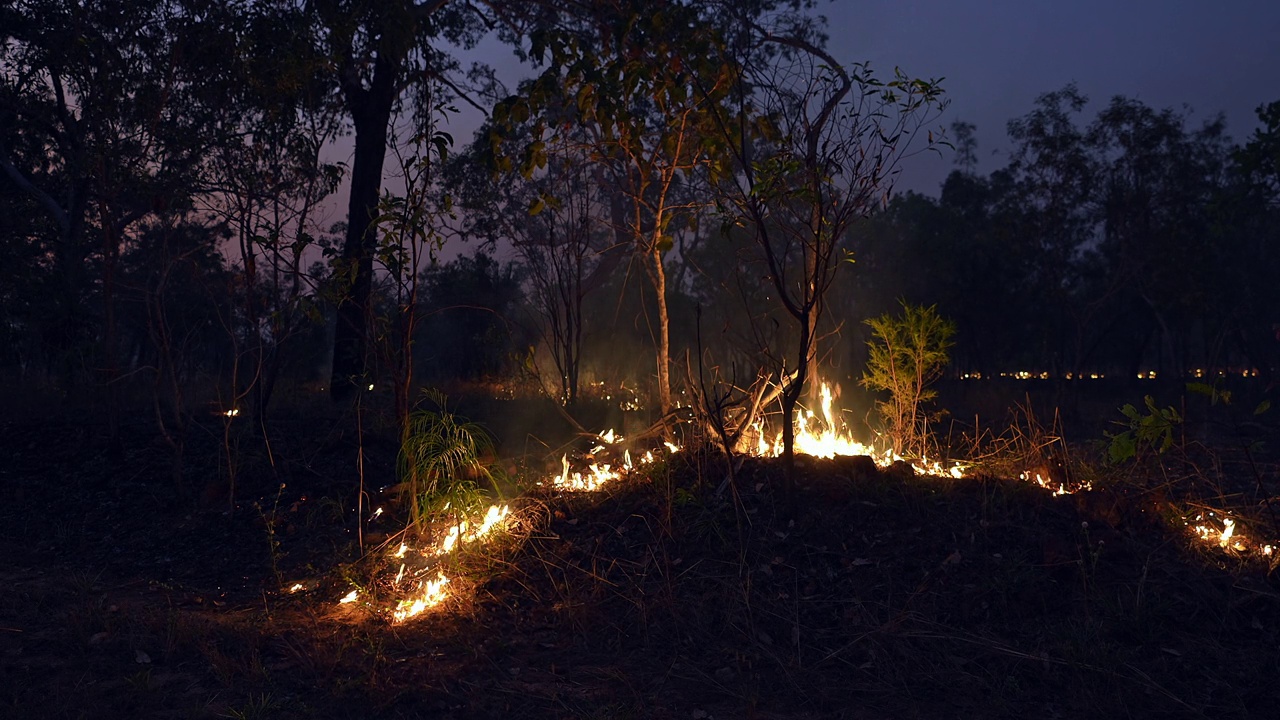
{"points": [[817, 147], [265, 181], [643, 78], [557, 220], [379, 51], [104, 120]]}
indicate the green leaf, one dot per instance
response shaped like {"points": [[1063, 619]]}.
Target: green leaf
{"points": [[1263, 406], [1199, 388]]}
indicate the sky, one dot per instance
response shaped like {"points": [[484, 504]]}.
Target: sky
{"points": [[997, 56]]}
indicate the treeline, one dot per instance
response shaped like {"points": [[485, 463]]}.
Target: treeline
{"points": [[674, 197], [1126, 243]]}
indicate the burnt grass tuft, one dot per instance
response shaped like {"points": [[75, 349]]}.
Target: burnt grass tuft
{"points": [[682, 592]]}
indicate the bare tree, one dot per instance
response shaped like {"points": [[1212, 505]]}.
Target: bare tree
{"points": [[817, 146]]}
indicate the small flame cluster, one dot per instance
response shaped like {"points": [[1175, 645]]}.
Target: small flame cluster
{"points": [[826, 438], [430, 590], [1048, 484], [1222, 531], [597, 475]]}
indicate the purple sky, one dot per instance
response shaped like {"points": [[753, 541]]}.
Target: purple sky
{"points": [[997, 55]]}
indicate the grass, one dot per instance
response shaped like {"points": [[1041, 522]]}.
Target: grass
{"points": [[884, 595]]}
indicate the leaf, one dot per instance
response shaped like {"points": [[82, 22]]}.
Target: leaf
{"points": [[1263, 406], [1201, 388]]}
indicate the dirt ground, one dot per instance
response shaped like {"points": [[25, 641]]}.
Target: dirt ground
{"points": [[693, 590]]}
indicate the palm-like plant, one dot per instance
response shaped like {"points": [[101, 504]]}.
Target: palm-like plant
{"points": [[441, 459]]}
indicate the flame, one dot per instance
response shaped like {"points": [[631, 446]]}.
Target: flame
{"points": [[817, 434], [827, 437], [430, 593], [1228, 529], [1226, 538]]}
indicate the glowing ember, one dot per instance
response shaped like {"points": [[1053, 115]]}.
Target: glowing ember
{"points": [[296, 588], [232, 412], [1040, 480]]}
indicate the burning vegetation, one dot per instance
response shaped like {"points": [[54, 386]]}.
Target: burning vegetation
{"points": [[238, 488]]}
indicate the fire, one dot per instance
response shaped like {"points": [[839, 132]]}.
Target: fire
{"points": [[827, 437], [1040, 480], [464, 531], [1225, 538], [819, 434], [591, 479], [430, 593]]}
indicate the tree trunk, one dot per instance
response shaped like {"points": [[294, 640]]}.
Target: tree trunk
{"points": [[371, 113], [659, 278]]}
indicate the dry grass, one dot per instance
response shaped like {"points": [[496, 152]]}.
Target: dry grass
{"points": [[674, 595]]}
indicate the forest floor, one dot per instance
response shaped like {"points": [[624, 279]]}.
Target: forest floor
{"points": [[669, 594]]}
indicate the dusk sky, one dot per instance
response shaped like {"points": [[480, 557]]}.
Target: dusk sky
{"points": [[996, 56]]}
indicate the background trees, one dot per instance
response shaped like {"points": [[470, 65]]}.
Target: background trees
{"points": [[167, 191]]}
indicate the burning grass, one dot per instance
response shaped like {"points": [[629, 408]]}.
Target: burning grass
{"points": [[817, 435], [663, 590]]}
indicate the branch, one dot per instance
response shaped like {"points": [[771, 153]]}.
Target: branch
{"points": [[42, 197]]}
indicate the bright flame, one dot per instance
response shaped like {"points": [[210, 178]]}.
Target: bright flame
{"points": [[817, 435], [430, 593], [1224, 538], [827, 437], [232, 412], [1228, 529]]}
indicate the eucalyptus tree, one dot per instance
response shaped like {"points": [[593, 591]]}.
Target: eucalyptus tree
{"points": [[817, 147], [1157, 182], [1247, 244], [380, 52], [265, 183], [557, 220], [639, 80]]}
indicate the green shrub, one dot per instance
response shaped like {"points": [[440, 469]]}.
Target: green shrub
{"points": [[907, 353]]}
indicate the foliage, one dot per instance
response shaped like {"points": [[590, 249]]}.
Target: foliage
{"points": [[907, 354], [1144, 433], [442, 459], [468, 329], [637, 87]]}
